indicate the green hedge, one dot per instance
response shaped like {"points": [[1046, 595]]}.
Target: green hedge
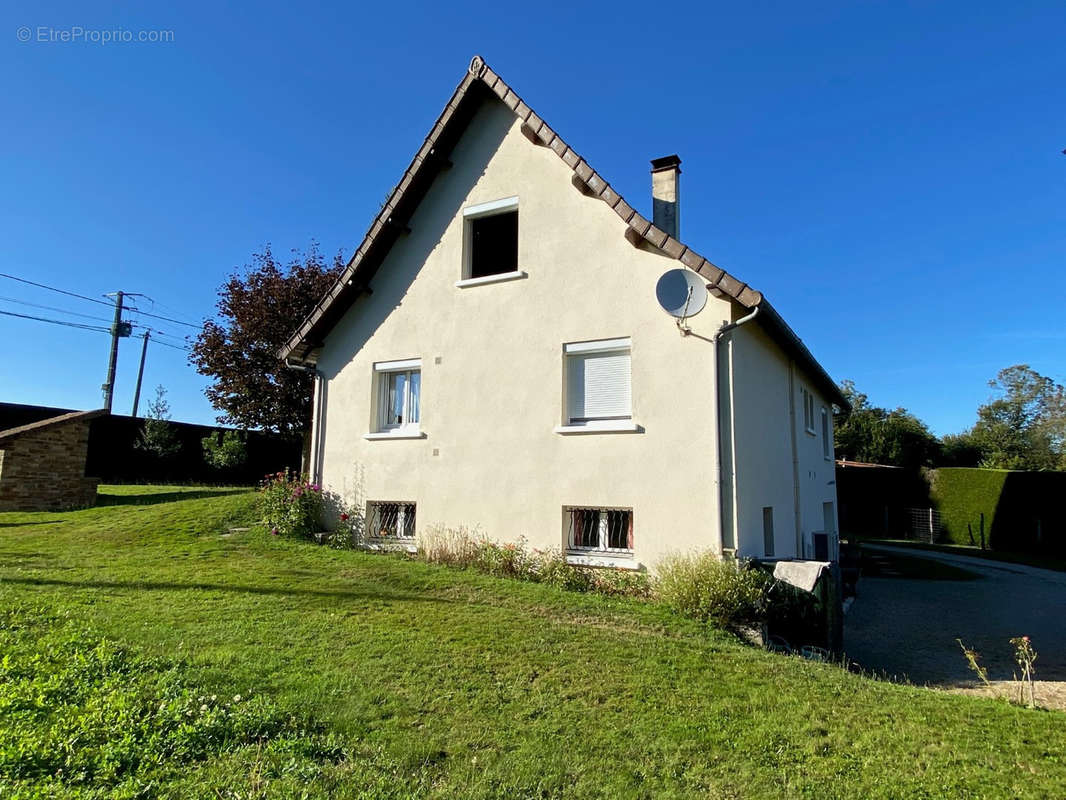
{"points": [[962, 494], [1024, 512]]}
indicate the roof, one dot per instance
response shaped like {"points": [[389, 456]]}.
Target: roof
{"points": [[62, 419], [479, 83]]}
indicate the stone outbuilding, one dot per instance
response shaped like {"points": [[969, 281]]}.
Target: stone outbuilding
{"points": [[42, 465]]}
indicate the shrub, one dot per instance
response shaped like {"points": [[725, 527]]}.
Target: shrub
{"points": [[621, 583], [453, 547], [703, 587], [224, 449], [464, 548], [290, 505]]}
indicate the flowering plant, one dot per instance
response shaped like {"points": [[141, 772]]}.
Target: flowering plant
{"points": [[290, 504]]}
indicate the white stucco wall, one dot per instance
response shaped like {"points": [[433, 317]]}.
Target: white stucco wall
{"points": [[766, 384], [493, 366]]}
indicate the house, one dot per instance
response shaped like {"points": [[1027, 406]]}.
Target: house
{"points": [[42, 464], [494, 357]]}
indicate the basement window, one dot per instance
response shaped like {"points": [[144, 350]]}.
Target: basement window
{"points": [[603, 531], [490, 242], [390, 520]]}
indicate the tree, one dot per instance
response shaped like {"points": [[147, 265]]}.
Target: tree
{"points": [[259, 307], [158, 436], [880, 436], [1024, 427], [961, 450], [225, 449]]}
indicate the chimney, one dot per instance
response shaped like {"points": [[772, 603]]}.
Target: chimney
{"points": [[666, 194]]}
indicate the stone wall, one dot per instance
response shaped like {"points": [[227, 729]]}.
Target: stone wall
{"points": [[42, 466]]}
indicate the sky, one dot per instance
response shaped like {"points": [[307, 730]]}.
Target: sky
{"points": [[888, 174]]}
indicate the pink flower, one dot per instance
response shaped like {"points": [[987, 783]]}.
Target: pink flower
{"points": [[274, 531]]}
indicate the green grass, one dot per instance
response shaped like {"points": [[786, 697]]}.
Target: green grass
{"points": [[432, 682]]}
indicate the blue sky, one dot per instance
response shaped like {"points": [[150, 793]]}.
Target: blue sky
{"points": [[888, 174]]}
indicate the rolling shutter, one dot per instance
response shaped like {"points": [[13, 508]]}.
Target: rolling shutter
{"points": [[598, 385]]}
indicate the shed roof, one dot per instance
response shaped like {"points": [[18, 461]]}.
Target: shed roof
{"points": [[51, 422]]}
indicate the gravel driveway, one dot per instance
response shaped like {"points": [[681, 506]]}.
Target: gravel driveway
{"points": [[907, 628]]}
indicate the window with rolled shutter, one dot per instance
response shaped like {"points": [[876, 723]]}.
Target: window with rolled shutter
{"points": [[598, 381]]}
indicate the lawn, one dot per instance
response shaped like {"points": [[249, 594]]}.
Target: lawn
{"points": [[363, 675]]}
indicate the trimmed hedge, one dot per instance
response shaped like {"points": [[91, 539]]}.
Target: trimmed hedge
{"points": [[962, 494], [1024, 512]]}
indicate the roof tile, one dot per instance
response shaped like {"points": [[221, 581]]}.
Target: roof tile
{"points": [[639, 224], [624, 210], [691, 259], [656, 236], [672, 247]]}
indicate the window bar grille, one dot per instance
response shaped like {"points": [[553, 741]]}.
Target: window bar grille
{"points": [[605, 530], [389, 520]]}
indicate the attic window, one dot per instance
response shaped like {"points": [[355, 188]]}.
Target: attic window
{"points": [[490, 242]]}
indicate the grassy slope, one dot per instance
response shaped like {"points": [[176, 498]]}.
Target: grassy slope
{"points": [[451, 684]]}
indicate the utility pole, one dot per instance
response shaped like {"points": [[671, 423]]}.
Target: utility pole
{"points": [[118, 329], [140, 373]]}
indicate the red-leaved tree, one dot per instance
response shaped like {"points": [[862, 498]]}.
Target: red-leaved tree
{"points": [[259, 308]]}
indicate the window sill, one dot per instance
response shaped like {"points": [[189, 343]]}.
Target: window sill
{"points": [[397, 434], [618, 561], [621, 426], [500, 278]]}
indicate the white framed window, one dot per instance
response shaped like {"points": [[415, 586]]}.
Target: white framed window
{"points": [[808, 410], [598, 385], [602, 531], [490, 243], [390, 519], [827, 441], [399, 395]]}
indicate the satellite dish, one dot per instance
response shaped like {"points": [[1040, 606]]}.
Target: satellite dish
{"points": [[681, 292]]}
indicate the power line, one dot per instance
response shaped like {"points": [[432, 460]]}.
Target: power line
{"points": [[168, 319], [181, 315], [58, 322], [168, 344], [54, 289], [53, 308]]}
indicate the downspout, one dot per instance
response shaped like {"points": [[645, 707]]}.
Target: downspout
{"points": [[716, 410], [795, 458], [316, 415]]}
